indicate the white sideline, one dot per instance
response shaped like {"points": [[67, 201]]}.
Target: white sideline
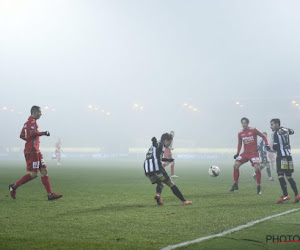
{"points": [[249, 224]]}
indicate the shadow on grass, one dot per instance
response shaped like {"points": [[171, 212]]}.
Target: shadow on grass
{"points": [[104, 208]]}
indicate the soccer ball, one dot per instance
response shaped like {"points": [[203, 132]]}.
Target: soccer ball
{"points": [[214, 171]]}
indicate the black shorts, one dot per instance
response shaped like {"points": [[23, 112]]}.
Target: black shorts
{"points": [[160, 176], [285, 165]]}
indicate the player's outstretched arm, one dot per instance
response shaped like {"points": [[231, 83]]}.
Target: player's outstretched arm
{"points": [[264, 138], [35, 133]]}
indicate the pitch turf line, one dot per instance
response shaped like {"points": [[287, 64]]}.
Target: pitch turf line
{"points": [[249, 224]]}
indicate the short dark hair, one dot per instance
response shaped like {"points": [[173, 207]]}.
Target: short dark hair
{"points": [[34, 109], [276, 120], [166, 136], [245, 119]]}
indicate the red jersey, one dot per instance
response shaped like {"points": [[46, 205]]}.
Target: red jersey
{"points": [[31, 135], [249, 138]]}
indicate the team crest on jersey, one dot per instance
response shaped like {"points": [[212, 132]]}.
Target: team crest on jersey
{"points": [[32, 127]]}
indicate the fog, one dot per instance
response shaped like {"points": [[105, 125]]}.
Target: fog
{"points": [[112, 74]]}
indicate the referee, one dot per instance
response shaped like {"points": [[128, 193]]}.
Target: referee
{"points": [[284, 161]]}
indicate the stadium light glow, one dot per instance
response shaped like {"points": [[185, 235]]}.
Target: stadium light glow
{"points": [[137, 107], [185, 104], [4, 108], [46, 107], [237, 103], [90, 106], [293, 102], [108, 113], [195, 109], [297, 104]]}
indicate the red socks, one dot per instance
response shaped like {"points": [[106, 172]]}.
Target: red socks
{"points": [[258, 177], [46, 182], [27, 177], [22, 181], [172, 169], [236, 174]]}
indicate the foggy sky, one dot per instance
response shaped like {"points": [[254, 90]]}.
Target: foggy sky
{"points": [[158, 54]]}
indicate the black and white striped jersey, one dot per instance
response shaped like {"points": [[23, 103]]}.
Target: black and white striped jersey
{"points": [[154, 156], [262, 148], [281, 141]]}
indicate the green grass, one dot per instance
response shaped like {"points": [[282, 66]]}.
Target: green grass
{"points": [[111, 206]]}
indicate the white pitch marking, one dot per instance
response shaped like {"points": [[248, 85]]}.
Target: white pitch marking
{"points": [[249, 224]]}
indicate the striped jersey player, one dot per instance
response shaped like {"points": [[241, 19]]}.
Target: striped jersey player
{"points": [[264, 161], [156, 173], [284, 160]]}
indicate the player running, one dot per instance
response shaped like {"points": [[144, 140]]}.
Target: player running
{"points": [[248, 137], [168, 155], [264, 162], [284, 161], [34, 158], [57, 153], [156, 173]]}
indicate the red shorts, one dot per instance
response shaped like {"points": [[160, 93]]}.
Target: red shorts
{"points": [[167, 155], [245, 157], [34, 161]]}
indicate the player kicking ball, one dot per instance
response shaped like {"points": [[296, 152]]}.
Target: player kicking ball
{"points": [[248, 137], [34, 158], [156, 173], [284, 161]]}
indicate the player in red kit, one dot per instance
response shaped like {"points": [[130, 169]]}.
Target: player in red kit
{"points": [[168, 155], [34, 158], [248, 137], [57, 153]]}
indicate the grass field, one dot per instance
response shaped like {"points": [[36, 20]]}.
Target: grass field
{"points": [[111, 206]]}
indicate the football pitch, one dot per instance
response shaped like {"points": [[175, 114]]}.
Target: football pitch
{"points": [[110, 205]]}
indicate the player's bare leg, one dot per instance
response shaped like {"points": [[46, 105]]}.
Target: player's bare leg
{"points": [[236, 175], [46, 183], [177, 192], [258, 177], [58, 160]]}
